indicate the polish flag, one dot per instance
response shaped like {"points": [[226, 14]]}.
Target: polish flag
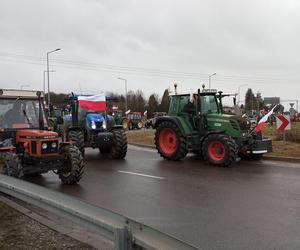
{"points": [[95, 102], [263, 121], [127, 112], [191, 100], [145, 113]]}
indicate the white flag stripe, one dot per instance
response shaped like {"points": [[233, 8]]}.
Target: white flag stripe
{"points": [[265, 118], [93, 98]]}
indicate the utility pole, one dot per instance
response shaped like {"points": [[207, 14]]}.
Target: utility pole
{"points": [[125, 80]]}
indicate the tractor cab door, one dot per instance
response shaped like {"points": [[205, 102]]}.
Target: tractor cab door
{"points": [[188, 110]]}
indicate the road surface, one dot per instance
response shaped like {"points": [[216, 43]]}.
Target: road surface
{"points": [[253, 205]]}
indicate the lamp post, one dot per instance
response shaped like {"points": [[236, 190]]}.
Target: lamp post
{"points": [[239, 90], [44, 80], [209, 79], [125, 80], [48, 72]]}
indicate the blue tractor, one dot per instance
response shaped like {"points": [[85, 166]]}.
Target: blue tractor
{"points": [[95, 129]]}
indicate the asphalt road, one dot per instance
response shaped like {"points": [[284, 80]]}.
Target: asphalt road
{"points": [[253, 205]]}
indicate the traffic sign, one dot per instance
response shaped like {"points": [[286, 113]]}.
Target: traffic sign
{"points": [[283, 122]]}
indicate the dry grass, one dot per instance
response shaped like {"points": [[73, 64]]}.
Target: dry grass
{"points": [[145, 137], [292, 146], [288, 149]]}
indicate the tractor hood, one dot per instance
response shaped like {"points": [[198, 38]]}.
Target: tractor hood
{"points": [[35, 133], [97, 120]]}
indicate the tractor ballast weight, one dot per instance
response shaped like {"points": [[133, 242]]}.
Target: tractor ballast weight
{"points": [[26, 144], [95, 129], [201, 127]]}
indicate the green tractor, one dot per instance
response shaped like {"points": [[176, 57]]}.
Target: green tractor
{"points": [[202, 128], [56, 118], [95, 129]]}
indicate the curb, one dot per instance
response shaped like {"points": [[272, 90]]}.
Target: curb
{"points": [[265, 157]]}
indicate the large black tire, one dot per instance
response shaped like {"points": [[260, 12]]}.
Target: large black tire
{"points": [[12, 165], [77, 138], [72, 158], [250, 157], [219, 149], [119, 144], [170, 142]]}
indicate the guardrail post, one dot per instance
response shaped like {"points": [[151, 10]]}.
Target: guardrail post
{"points": [[123, 239]]}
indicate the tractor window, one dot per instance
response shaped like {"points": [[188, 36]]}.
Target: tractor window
{"points": [[209, 104], [19, 113]]}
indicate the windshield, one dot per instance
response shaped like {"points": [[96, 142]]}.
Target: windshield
{"points": [[209, 104], [19, 113], [83, 112]]}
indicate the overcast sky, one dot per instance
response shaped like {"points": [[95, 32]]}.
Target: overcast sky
{"points": [[152, 44]]}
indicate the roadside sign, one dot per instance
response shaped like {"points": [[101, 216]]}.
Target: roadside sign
{"points": [[283, 122]]}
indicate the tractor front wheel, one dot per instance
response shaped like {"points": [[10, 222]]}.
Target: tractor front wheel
{"points": [[12, 165], [170, 142], [73, 162], [220, 150], [77, 138], [119, 144]]}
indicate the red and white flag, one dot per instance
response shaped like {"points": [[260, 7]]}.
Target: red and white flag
{"points": [[145, 113], [191, 100], [263, 121], [127, 112], [95, 102]]}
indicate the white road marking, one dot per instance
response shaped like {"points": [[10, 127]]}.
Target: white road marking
{"points": [[143, 175]]}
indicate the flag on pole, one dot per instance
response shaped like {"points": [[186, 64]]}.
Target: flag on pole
{"points": [[263, 121], [191, 100], [127, 112], [95, 102], [145, 113]]}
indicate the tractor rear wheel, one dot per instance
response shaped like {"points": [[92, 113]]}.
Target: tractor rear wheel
{"points": [[12, 165], [219, 149], [77, 137], [73, 160], [170, 142], [119, 144]]}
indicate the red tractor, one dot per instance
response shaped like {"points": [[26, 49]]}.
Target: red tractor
{"points": [[27, 146]]}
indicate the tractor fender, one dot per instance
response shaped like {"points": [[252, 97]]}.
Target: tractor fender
{"points": [[185, 127], [210, 133]]}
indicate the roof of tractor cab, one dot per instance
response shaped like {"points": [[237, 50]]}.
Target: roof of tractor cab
{"points": [[13, 93]]}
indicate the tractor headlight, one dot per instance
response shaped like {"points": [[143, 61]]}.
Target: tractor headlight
{"points": [[44, 145], [93, 125], [53, 144], [104, 125]]}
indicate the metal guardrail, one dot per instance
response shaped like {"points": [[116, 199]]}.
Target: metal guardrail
{"points": [[125, 233]]}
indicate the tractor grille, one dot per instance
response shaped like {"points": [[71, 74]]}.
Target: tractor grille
{"points": [[98, 124], [49, 149], [33, 147]]}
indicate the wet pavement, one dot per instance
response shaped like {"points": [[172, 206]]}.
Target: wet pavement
{"points": [[252, 205]]}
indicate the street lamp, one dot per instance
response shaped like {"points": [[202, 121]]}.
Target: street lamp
{"points": [[125, 80], [239, 90], [44, 80], [209, 79], [48, 72]]}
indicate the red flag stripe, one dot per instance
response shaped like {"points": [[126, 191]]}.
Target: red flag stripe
{"points": [[101, 106]]}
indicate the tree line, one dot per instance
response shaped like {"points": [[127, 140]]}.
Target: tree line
{"points": [[136, 101]]}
